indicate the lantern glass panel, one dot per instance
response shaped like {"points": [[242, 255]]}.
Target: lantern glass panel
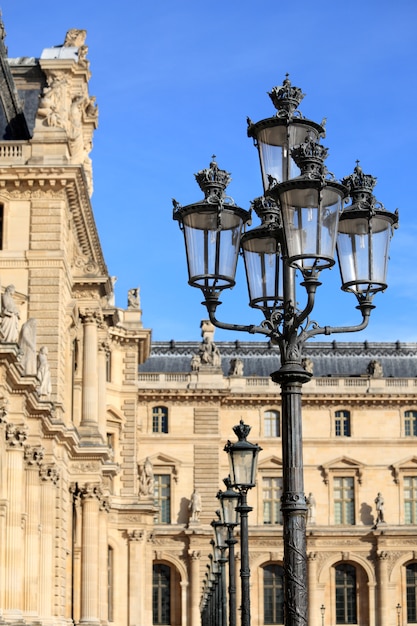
{"points": [[310, 217], [275, 144], [262, 263], [362, 248], [243, 465], [212, 246]]}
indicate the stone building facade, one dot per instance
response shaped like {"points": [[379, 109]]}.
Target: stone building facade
{"points": [[105, 444]]}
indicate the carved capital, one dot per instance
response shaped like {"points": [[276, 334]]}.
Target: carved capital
{"points": [[34, 455], [16, 435], [104, 504], [91, 316], [135, 535], [49, 473], [91, 491]]}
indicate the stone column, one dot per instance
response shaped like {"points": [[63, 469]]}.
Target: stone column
{"points": [[49, 478], [136, 578], [14, 548], [184, 604], [195, 587], [33, 458], [313, 610], [382, 582], [103, 560], [90, 495], [89, 405], [103, 351]]}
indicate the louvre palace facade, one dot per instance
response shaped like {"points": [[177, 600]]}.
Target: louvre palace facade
{"points": [[107, 439]]}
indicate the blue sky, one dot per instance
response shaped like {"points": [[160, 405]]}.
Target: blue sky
{"points": [[175, 82]]}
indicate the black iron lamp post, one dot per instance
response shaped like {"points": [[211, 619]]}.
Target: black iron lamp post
{"points": [[303, 228], [229, 514], [243, 463], [220, 547], [398, 607], [322, 611]]}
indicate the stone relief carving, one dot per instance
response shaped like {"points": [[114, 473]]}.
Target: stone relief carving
{"points": [[146, 479]]}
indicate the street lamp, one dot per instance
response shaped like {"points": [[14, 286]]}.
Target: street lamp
{"points": [[229, 501], [303, 227], [243, 462], [398, 607], [220, 547], [322, 611]]}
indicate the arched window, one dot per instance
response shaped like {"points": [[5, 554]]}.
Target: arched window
{"points": [[273, 594], [272, 424], [411, 582], [342, 424], [161, 594], [159, 419], [345, 601], [410, 423]]}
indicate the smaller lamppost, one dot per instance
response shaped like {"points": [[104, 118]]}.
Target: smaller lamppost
{"points": [[220, 547], [229, 501], [322, 611], [243, 462], [398, 607]]}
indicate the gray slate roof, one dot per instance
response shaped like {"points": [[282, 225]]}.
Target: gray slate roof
{"points": [[398, 360]]}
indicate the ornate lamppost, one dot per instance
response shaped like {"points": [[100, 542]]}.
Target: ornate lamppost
{"points": [[229, 514], [243, 463], [302, 224]]}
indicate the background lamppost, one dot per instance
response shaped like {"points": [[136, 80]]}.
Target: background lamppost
{"points": [[322, 611], [229, 514], [243, 463], [220, 547], [398, 607], [302, 224]]}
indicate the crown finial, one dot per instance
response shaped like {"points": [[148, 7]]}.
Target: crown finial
{"points": [[213, 181], [286, 98]]}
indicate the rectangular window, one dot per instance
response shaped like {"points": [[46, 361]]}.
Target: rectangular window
{"points": [[344, 499], [342, 424], [345, 594], [272, 424], [162, 498], [159, 419], [410, 423], [410, 499], [271, 497]]}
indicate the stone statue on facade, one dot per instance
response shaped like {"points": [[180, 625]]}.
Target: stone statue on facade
{"points": [[308, 365], [43, 374], [379, 504], [374, 369], [236, 367], [195, 363], [209, 353], [146, 479], [27, 345], [311, 508], [9, 324], [195, 506], [133, 298]]}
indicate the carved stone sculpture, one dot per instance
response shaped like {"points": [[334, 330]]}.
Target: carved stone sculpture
{"points": [[44, 374], [9, 325], [146, 480], [195, 506], [27, 344]]}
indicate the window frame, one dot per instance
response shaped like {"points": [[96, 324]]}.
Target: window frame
{"points": [[276, 611], [272, 418], [354, 620], [162, 423], [164, 593], [158, 499], [342, 423], [274, 500], [351, 478], [410, 422]]}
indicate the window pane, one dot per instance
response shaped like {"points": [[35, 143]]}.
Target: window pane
{"points": [[410, 423], [161, 594], [159, 419], [271, 496], [273, 594], [345, 583], [410, 499], [342, 424], [162, 498], [411, 581], [271, 424], [344, 500]]}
